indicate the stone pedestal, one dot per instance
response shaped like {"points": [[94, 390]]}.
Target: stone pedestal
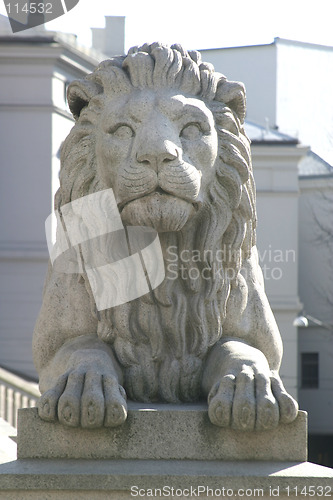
{"points": [[157, 432], [161, 451]]}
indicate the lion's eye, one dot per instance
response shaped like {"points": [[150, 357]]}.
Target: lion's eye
{"points": [[192, 131], [122, 132]]}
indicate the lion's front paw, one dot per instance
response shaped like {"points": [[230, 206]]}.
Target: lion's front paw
{"points": [[250, 400], [85, 398]]}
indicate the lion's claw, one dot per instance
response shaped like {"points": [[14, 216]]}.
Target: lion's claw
{"points": [[252, 400], [85, 399]]}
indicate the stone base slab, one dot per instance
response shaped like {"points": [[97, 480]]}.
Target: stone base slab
{"points": [[161, 451], [41, 479], [158, 432]]}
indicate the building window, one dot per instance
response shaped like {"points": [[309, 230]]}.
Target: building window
{"points": [[310, 370]]}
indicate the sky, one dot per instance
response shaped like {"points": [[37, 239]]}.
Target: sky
{"points": [[203, 24]]}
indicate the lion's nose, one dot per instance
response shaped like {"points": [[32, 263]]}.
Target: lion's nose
{"points": [[159, 155]]}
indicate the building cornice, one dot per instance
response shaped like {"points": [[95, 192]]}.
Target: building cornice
{"points": [[47, 108], [48, 49], [32, 251], [277, 41], [297, 43], [279, 149], [314, 183]]}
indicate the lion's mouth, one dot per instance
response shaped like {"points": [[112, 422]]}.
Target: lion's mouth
{"points": [[159, 192], [158, 209]]}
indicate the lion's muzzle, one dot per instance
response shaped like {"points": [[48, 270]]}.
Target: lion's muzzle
{"points": [[163, 212]]}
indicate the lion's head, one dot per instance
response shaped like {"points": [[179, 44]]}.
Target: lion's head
{"points": [[165, 131]]}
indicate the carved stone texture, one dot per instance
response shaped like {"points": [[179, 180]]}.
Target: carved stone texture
{"points": [[157, 431], [159, 135]]}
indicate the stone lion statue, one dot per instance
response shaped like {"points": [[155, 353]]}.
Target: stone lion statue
{"points": [[165, 132]]}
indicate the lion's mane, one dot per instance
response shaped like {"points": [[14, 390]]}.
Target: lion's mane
{"points": [[161, 339]]}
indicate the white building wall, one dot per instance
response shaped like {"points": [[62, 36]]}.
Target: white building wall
{"points": [[304, 99], [25, 190], [316, 271], [22, 278], [255, 66], [111, 39], [24, 205]]}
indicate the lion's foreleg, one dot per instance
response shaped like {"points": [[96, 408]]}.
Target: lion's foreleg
{"points": [[87, 390], [80, 379], [241, 377]]}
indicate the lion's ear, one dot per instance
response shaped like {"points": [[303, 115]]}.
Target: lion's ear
{"points": [[233, 94], [79, 94]]}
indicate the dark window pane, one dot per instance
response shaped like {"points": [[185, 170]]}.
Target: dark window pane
{"points": [[310, 370]]}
